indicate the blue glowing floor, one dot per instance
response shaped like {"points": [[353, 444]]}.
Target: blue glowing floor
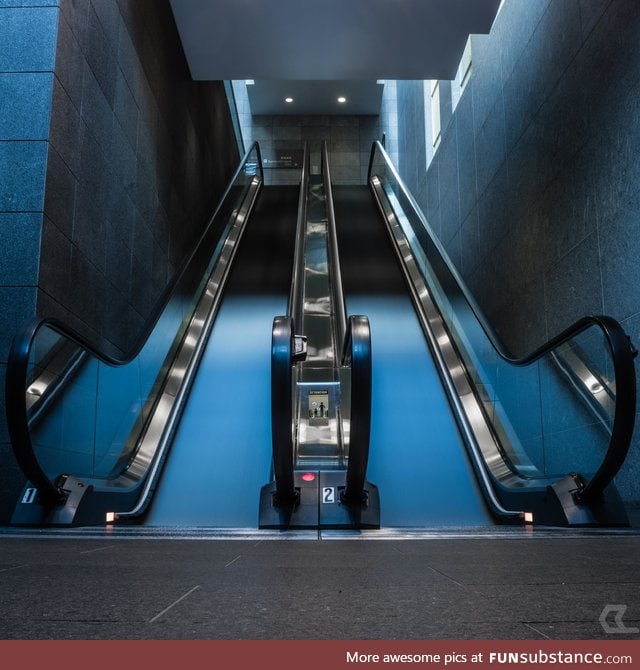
{"points": [[222, 452], [417, 459], [221, 455]]}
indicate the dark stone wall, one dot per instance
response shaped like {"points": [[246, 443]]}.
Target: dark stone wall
{"points": [[111, 160], [139, 155], [535, 187]]}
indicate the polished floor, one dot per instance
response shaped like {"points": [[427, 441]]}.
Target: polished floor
{"points": [[150, 583]]}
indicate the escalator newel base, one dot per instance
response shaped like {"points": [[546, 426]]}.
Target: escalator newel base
{"points": [[337, 513], [321, 505], [607, 511], [301, 514], [31, 511]]}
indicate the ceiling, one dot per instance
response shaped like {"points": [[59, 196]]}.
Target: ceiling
{"points": [[315, 97], [305, 41]]}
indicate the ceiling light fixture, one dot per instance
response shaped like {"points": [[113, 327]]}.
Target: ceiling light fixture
{"points": [[342, 99], [289, 100]]}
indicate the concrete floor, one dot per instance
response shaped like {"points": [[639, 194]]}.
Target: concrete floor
{"points": [[150, 584]]}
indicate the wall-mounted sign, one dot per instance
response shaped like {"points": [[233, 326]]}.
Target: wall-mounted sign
{"points": [[318, 408], [282, 158]]}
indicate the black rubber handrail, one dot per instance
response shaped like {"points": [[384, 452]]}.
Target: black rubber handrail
{"points": [[18, 361], [357, 355], [296, 295], [624, 415], [622, 351], [282, 343], [282, 358], [339, 302]]}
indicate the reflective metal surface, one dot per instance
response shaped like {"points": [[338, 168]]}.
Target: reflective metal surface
{"points": [[317, 322], [317, 398]]}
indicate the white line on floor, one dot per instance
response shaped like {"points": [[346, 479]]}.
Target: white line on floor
{"points": [[173, 604]]}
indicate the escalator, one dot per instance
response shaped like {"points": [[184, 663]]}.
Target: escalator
{"points": [[320, 385], [175, 433], [463, 432], [222, 449], [416, 455], [453, 429]]}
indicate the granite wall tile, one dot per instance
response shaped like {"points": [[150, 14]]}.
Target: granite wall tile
{"points": [[18, 305], [32, 43], [26, 108], [27, 55], [490, 146], [619, 240], [56, 263], [467, 177], [22, 166], [20, 234], [76, 13], [513, 27], [64, 131], [573, 286], [29, 3]]}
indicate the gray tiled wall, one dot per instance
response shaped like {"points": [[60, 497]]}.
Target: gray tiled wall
{"points": [[535, 188], [138, 156]]}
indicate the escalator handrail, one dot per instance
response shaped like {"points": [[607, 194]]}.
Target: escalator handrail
{"points": [[339, 303], [296, 296], [624, 413], [357, 355], [282, 357], [282, 345], [622, 351], [18, 360]]}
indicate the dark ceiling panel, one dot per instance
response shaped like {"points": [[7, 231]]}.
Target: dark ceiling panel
{"points": [[328, 39], [315, 97]]}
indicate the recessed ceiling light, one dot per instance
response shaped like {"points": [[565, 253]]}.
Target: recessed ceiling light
{"points": [[342, 99], [289, 100]]}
